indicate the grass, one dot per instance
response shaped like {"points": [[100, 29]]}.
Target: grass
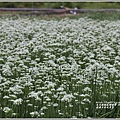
{"points": [[96, 16]]}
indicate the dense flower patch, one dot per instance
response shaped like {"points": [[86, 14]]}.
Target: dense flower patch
{"points": [[58, 68]]}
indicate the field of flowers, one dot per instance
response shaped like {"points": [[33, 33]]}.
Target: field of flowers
{"points": [[51, 68]]}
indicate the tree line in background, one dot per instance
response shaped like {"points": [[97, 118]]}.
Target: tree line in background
{"points": [[59, 4]]}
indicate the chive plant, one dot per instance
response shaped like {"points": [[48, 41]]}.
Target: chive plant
{"points": [[51, 69]]}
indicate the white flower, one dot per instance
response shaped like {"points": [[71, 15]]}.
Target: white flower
{"points": [[35, 95], [60, 89], [86, 100], [55, 104], [67, 97], [44, 108], [35, 113], [18, 101], [42, 113], [48, 99], [87, 89], [14, 114], [6, 97], [6, 109]]}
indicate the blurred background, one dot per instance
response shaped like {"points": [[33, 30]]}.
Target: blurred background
{"points": [[79, 5]]}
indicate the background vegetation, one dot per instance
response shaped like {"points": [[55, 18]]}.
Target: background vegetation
{"points": [[58, 4]]}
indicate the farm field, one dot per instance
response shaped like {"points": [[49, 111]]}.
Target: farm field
{"points": [[59, 68]]}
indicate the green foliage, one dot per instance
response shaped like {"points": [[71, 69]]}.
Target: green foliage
{"points": [[58, 4]]}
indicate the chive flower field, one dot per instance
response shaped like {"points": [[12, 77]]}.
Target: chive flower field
{"points": [[59, 68]]}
